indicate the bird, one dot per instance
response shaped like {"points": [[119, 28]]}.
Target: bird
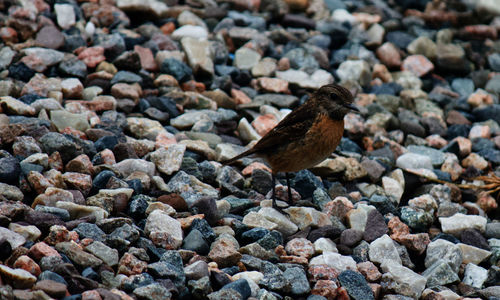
{"points": [[306, 136]]}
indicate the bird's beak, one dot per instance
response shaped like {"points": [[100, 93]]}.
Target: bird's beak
{"points": [[351, 107]]}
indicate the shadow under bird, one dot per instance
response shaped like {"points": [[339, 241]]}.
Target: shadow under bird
{"points": [[306, 136]]}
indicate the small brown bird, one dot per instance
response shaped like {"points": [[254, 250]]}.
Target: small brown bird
{"points": [[306, 136]]}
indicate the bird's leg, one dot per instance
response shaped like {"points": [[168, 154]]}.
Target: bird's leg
{"points": [[273, 197], [287, 175]]}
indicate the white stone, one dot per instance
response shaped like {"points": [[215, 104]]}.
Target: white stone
{"points": [[15, 239], [403, 280], [29, 232], [157, 8], [253, 219], [130, 165], [307, 217], [335, 260], [197, 32], [168, 159], [199, 55], [392, 189], [475, 276], [459, 222], [285, 226], [246, 132], [342, 15], [355, 70], [322, 245], [316, 80], [163, 230], [383, 249], [414, 161], [77, 211], [443, 250], [246, 58], [65, 15], [357, 217], [471, 254]]}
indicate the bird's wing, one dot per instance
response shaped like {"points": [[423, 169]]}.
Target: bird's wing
{"points": [[293, 127]]}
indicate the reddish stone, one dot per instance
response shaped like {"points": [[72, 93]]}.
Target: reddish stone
{"points": [[338, 207], [369, 270], [283, 64], [486, 202], [240, 97], [292, 259], [146, 57], [51, 288], [264, 123], [322, 272], [376, 289], [80, 164], [81, 182], [381, 71], [166, 80], [92, 56], [327, 289], [400, 232], [107, 157], [174, 200], [8, 35], [91, 295], [58, 234], [273, 85], [480, 99], [248, 170], [300, 247], [55, 161], [187, 221], [55, 178], [479, 32], [99, 103], [464, 145], [38, 182], [168, 28], [389, 55], [74, 132], [417, 64], [26, 263], [131, 265], [436, 141], [193, 86], [41, 249], [342, 294]]}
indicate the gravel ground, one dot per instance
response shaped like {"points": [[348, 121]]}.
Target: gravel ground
{"points": [[115, 114]]}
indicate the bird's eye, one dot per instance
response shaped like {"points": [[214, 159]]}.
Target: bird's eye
{"points": [[333, 96]]}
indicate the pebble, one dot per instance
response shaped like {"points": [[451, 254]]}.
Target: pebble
{"points": [[114, 118]]}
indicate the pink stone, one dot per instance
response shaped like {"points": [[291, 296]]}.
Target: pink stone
{"points": [[389, 55], [300, 247], [326, 288], [480, 131], [369, 270], [81, 182], [248, 170], [80, 164], [41, 249], [146, 57], [338, 207], [92, 56], [26, 263], [418, 65], [131, 265], [240, 97], [273, 85], [91, 295], [264, 123]]}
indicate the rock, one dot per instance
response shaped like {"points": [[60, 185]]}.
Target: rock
{"points": [[440, 273], [356, 285], [335, 260], [169, 158], [65, 15], [471, 254], [18, 278], [455, 224], [402, 280], [475, 276], [246, 58], [383, 249], [414, 161], [154, 7], [443, 251], [163, 230], [354, 70]]}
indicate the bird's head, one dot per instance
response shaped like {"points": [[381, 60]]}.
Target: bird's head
{"points": [[335, 100]]}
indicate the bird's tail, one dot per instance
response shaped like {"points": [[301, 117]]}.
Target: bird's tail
{"points": [[232, 160]]}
